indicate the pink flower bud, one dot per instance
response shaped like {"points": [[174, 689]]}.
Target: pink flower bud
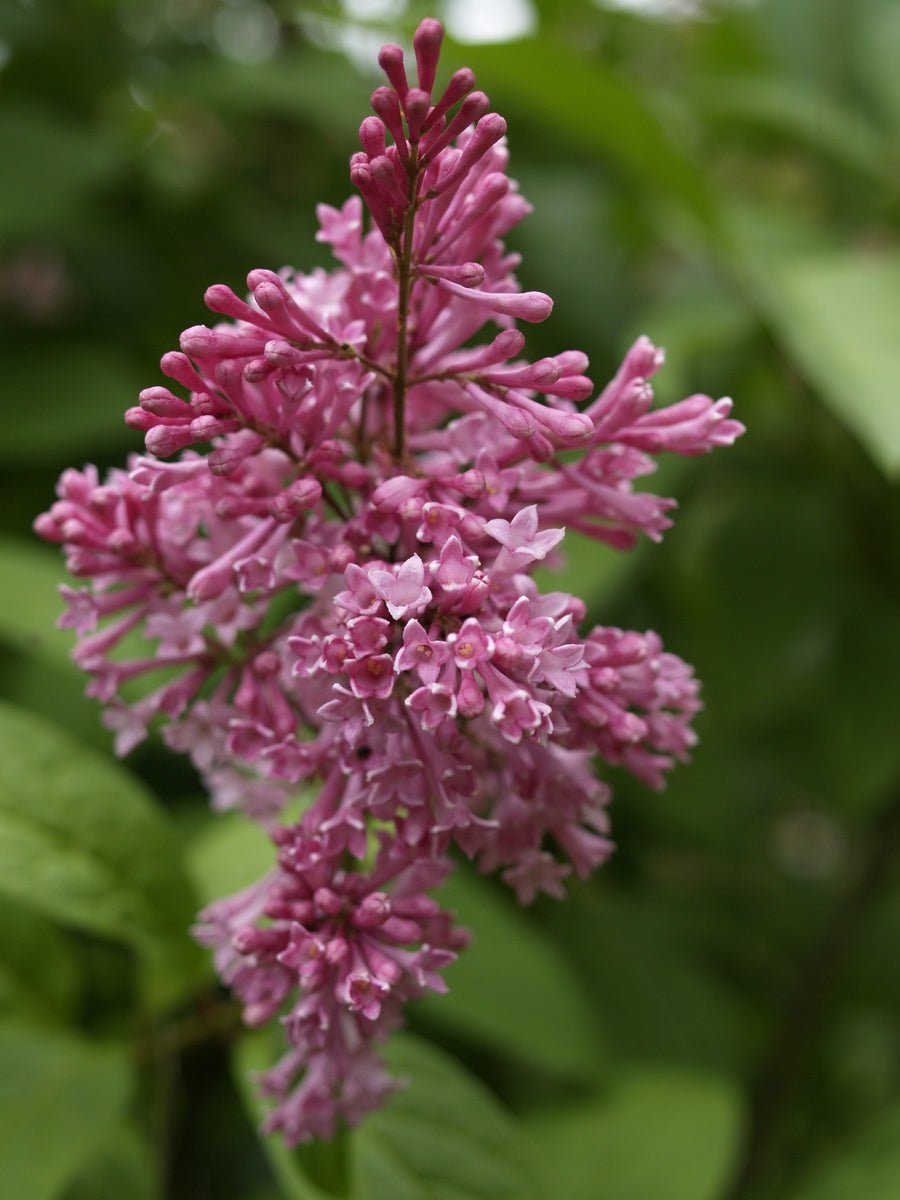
{"points": [[371, 137], [427, 46], [390, 59]]}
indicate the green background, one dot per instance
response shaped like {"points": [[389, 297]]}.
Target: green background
{"points": [[717, 1015]]}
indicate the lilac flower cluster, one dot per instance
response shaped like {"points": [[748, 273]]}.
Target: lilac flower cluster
{"points": [[344, 632]]}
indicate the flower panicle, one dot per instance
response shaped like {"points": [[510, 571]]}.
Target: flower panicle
{"points": [[318, 583]]}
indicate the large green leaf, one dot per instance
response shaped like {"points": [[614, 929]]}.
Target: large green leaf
{"points": [[866, 1167], [660, 1133], [68, 403], [39, 976], [82, 842], [835, 313], [31, 606], [59, 1099], [54, 166], [879, 37], [655, 997], [228, 854], [586, 103], [792, 108], [124, 1168], [290, 86], [512, 989], [441, 1137]]}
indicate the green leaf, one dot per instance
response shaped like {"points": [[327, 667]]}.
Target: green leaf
{"points": [[56, 165], [31, 607], [879, 37], [228, 854], [591, 570], [790, 107], [591, 107], [442, 1138], [865, 1167], [83, 391], [123, 1169], [59, 1099], [82, 842], [57, 693], [290, 86], [39, 976], [835, 313], [660, 1133], [512, 989], [654, 996]]}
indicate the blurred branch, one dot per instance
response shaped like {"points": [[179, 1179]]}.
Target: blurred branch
{"points": [[796, 1033], [218, 1020]]}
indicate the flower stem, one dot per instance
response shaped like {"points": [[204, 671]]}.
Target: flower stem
{"points": [[404, 290], [794, 1037]]}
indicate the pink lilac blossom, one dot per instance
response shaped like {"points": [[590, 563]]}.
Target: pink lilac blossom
{"points": [[334, 598]]}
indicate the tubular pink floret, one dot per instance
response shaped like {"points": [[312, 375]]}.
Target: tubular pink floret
{"points": [[461, 83], [371, 137], [488, 131], [221, 299], [179, 367], [470, 111], [525, 306], [467, 275], [416, 106], [387, 107]]}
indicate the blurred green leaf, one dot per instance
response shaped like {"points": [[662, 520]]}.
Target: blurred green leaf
{"points": [[124, 1169], [660, 1133], [570, 249], [228, 854], [53, 166], [586, 103], [649, 988], [29, 610], [59, 1099], [39, 976], [788, 107], [444, 1137], [865, 1167], [67, 402], [799, 530], [859, 744], [82, 842], [289, 86], [512, 989], [878, 45], [836, 315], [591, 570], [56, 693]]}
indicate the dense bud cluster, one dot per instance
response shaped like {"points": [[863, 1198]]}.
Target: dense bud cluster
{"points": [[340, 587]]}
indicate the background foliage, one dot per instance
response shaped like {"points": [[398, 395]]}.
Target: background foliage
{"points": [[717, 1016]]}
